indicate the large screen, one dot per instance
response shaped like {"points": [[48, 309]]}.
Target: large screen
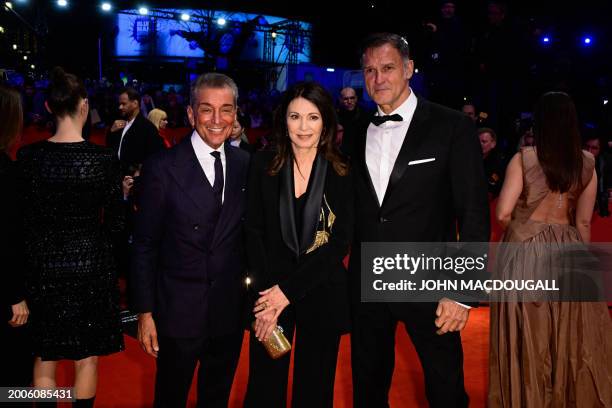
{"points": [[162, 33]]}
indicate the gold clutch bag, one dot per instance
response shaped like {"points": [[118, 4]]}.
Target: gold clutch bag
{"points": [[277, 344]]}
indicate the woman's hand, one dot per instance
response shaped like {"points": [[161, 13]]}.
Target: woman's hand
{"points": [[20, 314], [267, 309]]}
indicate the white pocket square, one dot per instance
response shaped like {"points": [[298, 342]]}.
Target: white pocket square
{"points": [[412, 163]]}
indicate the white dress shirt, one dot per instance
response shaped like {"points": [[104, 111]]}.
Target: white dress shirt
{"points": [[207, 160], [383, 144], [128, 125]]}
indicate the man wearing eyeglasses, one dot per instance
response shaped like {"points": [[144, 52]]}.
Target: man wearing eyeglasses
{"points": [[350, 114]]}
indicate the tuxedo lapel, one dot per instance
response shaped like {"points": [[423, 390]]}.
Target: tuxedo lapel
{"points": [[286, 209], [408, 147], [189, 174], [312, 207], [360, 159]]}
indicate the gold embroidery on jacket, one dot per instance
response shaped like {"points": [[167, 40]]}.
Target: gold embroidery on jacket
{"points": [[324, 227]]}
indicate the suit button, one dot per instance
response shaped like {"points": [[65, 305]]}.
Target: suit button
{"points": [[196, 227], [382, 220]]}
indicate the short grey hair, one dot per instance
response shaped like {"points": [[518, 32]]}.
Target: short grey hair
{"points": [[212, 80], [379, 39]]}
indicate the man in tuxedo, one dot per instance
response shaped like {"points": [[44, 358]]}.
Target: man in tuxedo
{"points": [[188, 263], [418, 178], [133, 138]]}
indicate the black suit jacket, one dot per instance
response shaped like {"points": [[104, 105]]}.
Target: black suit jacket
{"points": [[313, 280], [426, 202], [12, 290], [141, 141], [188, 265]]}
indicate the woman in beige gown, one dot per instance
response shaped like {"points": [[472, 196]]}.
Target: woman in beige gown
{"points": [[548, 354]]}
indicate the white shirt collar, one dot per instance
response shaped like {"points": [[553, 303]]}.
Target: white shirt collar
{"points": [[406, 109], [201, 148]]}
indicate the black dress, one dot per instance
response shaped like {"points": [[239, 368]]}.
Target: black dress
{"points": [[72, 200]]}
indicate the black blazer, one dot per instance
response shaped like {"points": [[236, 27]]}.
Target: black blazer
{"points": [[312, 277], [141, 140], [12, 289], [188, 263], [426, 202]]}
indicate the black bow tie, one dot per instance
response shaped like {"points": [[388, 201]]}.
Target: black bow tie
{"points": [[379, 120]]}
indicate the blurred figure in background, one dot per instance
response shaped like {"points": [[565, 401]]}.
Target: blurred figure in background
{"points": [[15, 355]]}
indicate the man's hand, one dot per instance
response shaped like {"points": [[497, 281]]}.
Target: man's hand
{"points": [[118, 124], [451, 316], [147, 334], [126, 185], [20, 314]]}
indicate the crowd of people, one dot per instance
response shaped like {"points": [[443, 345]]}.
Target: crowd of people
{"points": [[220, 236]]}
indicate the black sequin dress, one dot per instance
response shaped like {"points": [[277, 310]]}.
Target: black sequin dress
{"points": [[72, 201]]}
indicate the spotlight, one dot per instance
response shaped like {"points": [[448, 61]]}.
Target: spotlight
{"points": [[330, 70], [221, 21], [587, 40], [25, 57], [32, 66], [185, 17], [8, 4], [143, 11], [605, 101], [106, 6], [14, 46], [416, 70], [62, 3], [273, 34], [546, 40], [1, 30], [247, 281]]}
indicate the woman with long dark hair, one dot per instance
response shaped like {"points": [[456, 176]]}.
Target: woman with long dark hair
{"points": [[548, 353], [299, 225], [72, 197]]}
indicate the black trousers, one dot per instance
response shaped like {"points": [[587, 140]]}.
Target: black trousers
{"points": [[176, 362], [373, 354], [314, 366]]}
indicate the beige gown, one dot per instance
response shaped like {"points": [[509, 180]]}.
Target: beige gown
{"points": [[547, 354]]}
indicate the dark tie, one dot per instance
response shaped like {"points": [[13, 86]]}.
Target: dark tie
{"points": [[379, 120], [218, 185]]}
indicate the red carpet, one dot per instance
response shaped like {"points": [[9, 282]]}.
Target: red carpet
{"points": [[126, 379]]}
